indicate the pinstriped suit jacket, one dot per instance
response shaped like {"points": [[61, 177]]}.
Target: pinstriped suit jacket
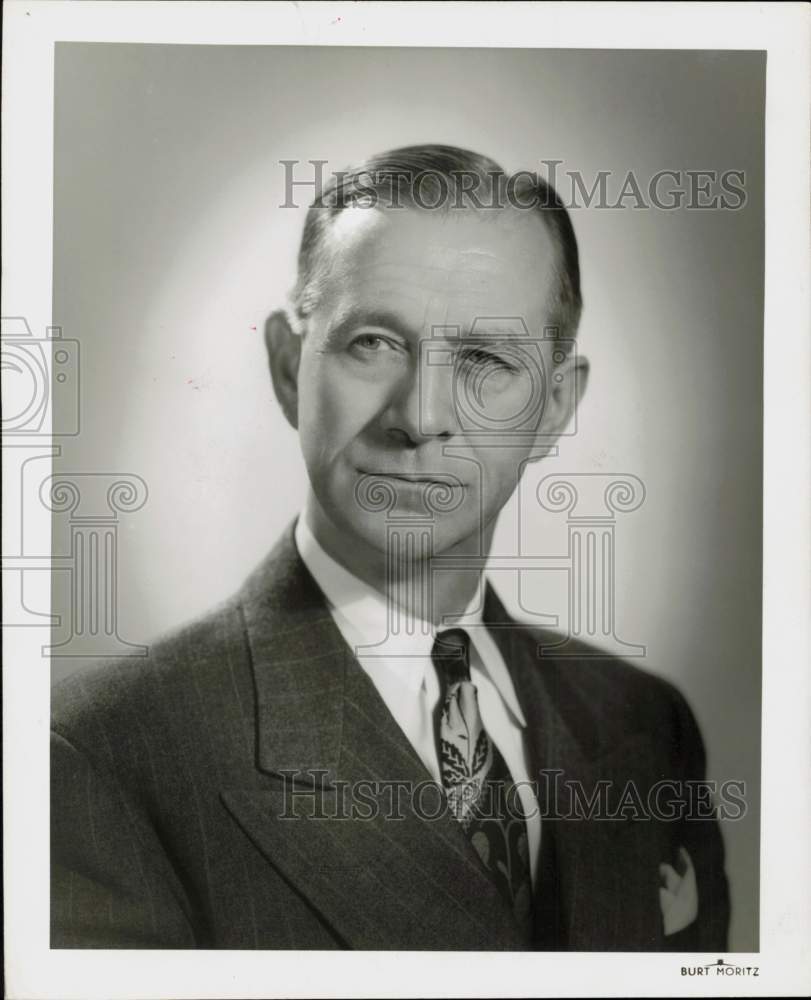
{"points": [[171, 827]]}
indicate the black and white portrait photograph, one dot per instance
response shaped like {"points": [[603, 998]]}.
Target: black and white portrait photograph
{"points": [[388, 440]]}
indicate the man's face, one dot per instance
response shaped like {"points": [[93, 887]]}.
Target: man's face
{"points": [[416, 374]]}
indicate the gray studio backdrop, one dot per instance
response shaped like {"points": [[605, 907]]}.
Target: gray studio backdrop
{"points": [[170, 248]]}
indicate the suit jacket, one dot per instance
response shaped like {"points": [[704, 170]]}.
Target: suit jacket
{"points": [[173, 824]]}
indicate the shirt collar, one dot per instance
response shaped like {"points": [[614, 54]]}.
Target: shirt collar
{"points": [[362, 609], [362, 615]]}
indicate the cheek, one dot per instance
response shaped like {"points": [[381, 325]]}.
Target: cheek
{"points": [[500, 472], [333, 409]]}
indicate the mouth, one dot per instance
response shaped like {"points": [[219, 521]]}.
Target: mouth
{"points": [[418, 479]]}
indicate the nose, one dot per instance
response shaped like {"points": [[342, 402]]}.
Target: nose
{"points": [[423, 408]]}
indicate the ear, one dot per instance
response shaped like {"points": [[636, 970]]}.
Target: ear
{"points": [[283, 345], [567, 384]]}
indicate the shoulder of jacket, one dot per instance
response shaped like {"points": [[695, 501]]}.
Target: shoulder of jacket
{"points": [[130, 686], [632, 694]]}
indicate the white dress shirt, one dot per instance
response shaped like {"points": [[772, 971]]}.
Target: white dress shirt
{"points": [[407, 682]]}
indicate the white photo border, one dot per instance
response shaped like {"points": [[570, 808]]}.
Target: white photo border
{"points": [[784, 962]]}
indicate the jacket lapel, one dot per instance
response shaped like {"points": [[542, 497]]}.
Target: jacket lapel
{"points": [[588, 893], [348, 813]]}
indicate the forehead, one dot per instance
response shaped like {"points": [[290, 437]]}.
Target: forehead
{"points": [[436, 267]]}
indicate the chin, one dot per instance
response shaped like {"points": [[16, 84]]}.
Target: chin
{"points": [[408, 539]]}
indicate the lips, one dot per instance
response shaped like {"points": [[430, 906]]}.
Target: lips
{"points": [[450, 482]]}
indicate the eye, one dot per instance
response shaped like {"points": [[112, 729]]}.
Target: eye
{"points": [[370, 342], [486, 361], [369, 346]]}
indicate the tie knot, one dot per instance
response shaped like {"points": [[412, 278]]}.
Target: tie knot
{"points": [[451, 656]]}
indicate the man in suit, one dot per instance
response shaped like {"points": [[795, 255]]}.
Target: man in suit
{"points": [[361, 749]]}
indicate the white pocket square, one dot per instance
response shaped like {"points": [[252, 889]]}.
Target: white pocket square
{"points": [[678, 898]]}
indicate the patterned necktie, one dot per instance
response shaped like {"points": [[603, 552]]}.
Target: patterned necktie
{"points": [[476, 779]]}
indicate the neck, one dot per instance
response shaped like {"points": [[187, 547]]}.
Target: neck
{"points": [[403, 582]]}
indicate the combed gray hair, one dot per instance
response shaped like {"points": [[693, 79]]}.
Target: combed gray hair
{"points": [[441, 178]]}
